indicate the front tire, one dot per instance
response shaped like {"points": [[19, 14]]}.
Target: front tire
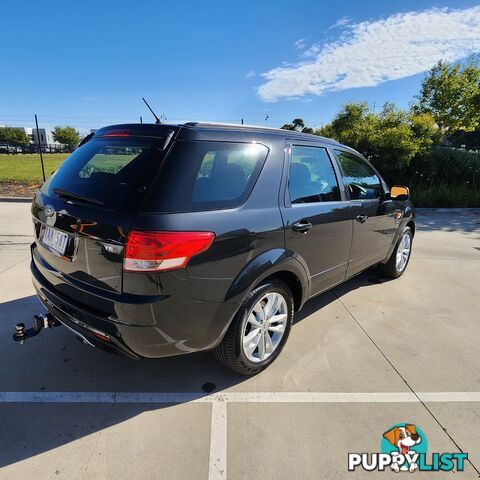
{"points": [[259, 330], [398, 261]]}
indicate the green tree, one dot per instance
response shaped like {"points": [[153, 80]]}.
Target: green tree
{"points": [[390, 139], [297, 125], [66, 136], [425, 128], [394, 140], [451, 93], [354, 125], [13, 135]]}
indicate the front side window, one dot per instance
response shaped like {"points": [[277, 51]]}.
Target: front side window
{"points": [[361, 179], [312, 178], [202, 175]]}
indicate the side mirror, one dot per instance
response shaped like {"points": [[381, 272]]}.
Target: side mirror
{"points": [[400, 193]]}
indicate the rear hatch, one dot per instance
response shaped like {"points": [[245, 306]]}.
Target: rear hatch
{"points": [[83, 212]]}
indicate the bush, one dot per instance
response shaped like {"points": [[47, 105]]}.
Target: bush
{"points": [[443, 177], [445, 196], [446, 166]]}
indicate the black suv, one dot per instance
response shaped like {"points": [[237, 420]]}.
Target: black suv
{"points": [[158, 240]]}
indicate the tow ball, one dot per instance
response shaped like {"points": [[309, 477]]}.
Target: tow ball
{"points": [[39, 323]]}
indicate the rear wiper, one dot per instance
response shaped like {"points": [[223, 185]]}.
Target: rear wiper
{"points": [[75, 196]]}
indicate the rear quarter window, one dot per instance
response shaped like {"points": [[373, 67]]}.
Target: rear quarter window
{"points": [[202, 175]]}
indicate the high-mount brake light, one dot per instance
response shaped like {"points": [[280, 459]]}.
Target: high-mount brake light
{"points": [[117, 133], [149, 251]]}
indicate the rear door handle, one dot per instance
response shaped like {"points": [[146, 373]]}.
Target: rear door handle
{"points": [[362, 218], [303, 226]]}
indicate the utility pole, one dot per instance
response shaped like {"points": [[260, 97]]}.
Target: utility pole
{"points": [[141, 120], [266, 119], [40, 147], [241, 121]]}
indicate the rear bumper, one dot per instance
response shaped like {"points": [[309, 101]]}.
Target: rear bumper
{"points": [[195, 326]]}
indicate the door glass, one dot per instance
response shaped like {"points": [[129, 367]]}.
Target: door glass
{"points": [[312, 178], [361, 179]]}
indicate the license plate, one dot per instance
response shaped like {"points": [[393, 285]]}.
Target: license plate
{"points": [[55, 239]]}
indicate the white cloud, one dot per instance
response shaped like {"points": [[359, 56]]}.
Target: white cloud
{"points": [[299, 44], [377, 51], [341, 22], [250, 74]]}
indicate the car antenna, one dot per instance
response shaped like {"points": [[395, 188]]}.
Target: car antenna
{"points": [[153, 113]]}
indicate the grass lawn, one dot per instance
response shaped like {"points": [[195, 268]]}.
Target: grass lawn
{"points": [[26, 167]]}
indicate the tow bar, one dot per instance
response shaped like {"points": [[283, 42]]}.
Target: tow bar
{"points": [[40, 322]]}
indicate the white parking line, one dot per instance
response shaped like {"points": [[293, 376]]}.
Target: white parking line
{"points": [[237, 397], [217, 468], [219, 401]]}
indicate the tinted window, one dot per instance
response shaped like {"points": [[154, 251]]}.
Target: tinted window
{"points": [[206, 176], [108, 169], [360, 177], [312, 178]]}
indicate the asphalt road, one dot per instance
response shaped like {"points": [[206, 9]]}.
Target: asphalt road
{"points": [[368, 355]]}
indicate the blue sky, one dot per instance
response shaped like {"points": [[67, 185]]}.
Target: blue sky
{"points": [[88, 63]]}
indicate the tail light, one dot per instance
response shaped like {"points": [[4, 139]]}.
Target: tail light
{"points": [[147, 251]]}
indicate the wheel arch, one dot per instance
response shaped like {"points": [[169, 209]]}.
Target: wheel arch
{"points": [[408, 221], [411, 224], [293, 282], [282, 264]]}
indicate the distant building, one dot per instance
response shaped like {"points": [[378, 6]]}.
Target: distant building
{"points": [[42, 137], [45, 136]]}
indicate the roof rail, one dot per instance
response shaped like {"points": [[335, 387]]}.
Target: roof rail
{"points": [[259, 128], [230, 125]]}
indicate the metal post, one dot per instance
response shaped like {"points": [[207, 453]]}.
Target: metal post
{"points": [[40, 148]]}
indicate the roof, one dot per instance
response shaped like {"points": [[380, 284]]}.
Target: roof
{"points": [[209, 128]]}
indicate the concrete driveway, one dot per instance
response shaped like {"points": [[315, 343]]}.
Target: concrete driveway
{"points": [[368, 355]]}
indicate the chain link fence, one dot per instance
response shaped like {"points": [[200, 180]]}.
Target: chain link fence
{"points": [[21, 170]]}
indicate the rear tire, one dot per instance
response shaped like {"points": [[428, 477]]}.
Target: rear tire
{"points": [[259, 330], [398, 261]]}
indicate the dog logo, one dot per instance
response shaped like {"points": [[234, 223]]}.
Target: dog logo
{"points": [[404, 438], [404, 448]]}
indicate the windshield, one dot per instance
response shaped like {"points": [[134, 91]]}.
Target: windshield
{"points": [[107, 170]]}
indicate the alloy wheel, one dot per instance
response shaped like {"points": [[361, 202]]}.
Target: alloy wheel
{"points": [[403, 252], [264, 327]]}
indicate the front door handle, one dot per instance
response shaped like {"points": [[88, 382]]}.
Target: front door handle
{"points": [[303, 226], [362, 218]]}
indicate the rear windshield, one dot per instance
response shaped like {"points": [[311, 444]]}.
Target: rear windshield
{"points": [[200, 176], [108, 170]]}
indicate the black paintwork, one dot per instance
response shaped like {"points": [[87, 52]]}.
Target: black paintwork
{"points": [[187, 310]]}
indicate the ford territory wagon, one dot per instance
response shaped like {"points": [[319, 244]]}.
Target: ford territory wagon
{"points": [[159, 240]]}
